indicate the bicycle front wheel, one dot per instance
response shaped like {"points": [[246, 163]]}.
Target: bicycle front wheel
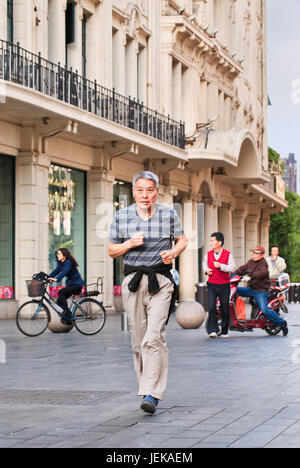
{"points": [[33, 318], [89, 317]]}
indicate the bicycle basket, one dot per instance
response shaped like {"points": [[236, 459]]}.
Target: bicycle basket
{"points": [[35, 288]]}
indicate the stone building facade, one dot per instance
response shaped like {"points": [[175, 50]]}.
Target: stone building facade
{"points": [[93, 91]]}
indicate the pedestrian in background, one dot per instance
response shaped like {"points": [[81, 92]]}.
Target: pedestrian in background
{"points": [[275, 263], [217, 265]]}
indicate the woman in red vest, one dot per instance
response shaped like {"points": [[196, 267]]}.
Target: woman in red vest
{"points": [[217, 265]]}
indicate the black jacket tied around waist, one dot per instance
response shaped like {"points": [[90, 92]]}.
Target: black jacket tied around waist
{"points": [[153, 285]]}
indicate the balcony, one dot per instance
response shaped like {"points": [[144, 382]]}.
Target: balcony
{"points": [[24, 68]]}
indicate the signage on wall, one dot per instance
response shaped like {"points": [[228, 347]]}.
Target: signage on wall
{"points": [[6, 292]]}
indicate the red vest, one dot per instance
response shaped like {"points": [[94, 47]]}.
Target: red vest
{"points": [[218, 276]]}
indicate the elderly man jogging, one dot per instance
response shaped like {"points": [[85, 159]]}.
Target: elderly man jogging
{"points": [[143, 234]]}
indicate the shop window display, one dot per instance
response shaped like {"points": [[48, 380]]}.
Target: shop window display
{"points": [[67, 215], [7, 203]]}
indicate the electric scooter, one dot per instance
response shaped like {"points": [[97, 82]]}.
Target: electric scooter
{"points": [[237, 309]]}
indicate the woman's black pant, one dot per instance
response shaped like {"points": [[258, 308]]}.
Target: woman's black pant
{"points": [[221, 291], [64, 294]]}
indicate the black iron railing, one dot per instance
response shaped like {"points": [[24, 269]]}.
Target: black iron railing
{"points": [[17, 65]]}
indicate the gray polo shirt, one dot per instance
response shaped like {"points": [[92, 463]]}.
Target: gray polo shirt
{"points": [[157, 233]]}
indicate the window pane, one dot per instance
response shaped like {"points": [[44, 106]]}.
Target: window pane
{"points": [[67, 212], [70, 23], [10, 20], [6, 227]]}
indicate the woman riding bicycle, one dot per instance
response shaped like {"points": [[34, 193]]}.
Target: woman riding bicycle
{"points": [[66, 267]]}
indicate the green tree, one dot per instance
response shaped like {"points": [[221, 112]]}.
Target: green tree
{"points": [[285, 233]]}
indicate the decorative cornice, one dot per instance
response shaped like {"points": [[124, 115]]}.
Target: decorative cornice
{"points": [[195, 45]]}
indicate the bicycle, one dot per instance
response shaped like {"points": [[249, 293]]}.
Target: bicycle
{"points": [[88, 314]]}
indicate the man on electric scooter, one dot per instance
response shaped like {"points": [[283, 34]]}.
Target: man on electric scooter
{"points": [[257, 270]]}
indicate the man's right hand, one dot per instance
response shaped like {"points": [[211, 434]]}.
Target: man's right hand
{"points": [[118, 250], [209, 272], [137, 239]]}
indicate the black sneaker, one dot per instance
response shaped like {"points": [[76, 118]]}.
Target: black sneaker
{"points": [[285, 329], [66, 321]]}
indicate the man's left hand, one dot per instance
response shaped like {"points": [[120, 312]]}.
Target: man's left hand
{"points": [[167, 256], [217, 265]]}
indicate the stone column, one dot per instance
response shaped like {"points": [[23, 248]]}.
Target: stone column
{"points": [[203, 96], [104, 29], [225, 225], [119, 62], [177, 91], [131, 67], [142, 75], [210, 226], [3, 21], [190, 105], [40, 27], [239, 236], [210, 223], [154, 61], [188, 262], [32, 218], [189, 313], [166, 85], [57, 31], [166, 195], [24, 24], [251, 233], [100, 214], [93, 48], [264, 232], [212, 99], [74, 50]]}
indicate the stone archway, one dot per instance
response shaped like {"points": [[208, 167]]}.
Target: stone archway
{"points": [[248, 169]]}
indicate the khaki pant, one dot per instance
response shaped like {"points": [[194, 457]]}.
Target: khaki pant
{"points": [[147, 317]]}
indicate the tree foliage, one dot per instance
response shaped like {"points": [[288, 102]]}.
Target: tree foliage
{"points": [[285, 233]]}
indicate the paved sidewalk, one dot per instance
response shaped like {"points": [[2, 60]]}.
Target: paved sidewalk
{"points": [[76, 391]]}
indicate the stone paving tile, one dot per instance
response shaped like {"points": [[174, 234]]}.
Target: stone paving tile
{"points": [[209, 445], [220, 438], [172, 430], [68, 444], [178, 443], [7, 443]]}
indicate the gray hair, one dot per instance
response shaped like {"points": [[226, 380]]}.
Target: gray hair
{"points": [[146, 175]]}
